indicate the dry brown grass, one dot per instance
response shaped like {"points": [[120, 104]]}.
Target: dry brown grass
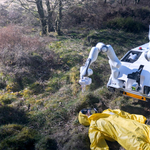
{"points": [[23, 57]]}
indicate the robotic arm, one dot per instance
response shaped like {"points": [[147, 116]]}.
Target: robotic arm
{"points": [[114, 62]]}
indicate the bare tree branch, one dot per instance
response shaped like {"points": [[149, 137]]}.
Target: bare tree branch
{"points": [[31, 1]]}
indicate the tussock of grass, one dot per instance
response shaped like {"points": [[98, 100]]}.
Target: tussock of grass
{"points": [[7, 98], [16, 137], [47, 143]]}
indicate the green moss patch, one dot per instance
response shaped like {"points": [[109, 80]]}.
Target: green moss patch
{"points": [[16, 137]]}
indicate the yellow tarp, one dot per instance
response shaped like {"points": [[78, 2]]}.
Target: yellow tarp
{"points": [[127, 129]]}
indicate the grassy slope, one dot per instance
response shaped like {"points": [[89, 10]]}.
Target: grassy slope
{"points": [[51, 114], [39, 104]]}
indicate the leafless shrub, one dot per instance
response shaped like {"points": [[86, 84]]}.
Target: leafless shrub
{"points": [[17, 15], [23, 57], [11, 37], [3, 15]]}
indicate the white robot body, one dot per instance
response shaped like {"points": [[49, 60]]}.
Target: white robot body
{"points": [[131, 74], [128, 73]]}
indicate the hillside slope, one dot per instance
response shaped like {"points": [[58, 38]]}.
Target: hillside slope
{"points": [[40, 96], [39, 105]]}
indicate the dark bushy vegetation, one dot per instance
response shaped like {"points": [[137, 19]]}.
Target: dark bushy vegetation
{"points": [[16, 137], [126, 24], [129, 17], [9, 115], [46, 143]]}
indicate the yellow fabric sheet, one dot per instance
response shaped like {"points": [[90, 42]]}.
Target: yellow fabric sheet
{"points": [[127, 129]]}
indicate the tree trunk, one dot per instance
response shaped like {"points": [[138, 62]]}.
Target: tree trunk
{"points": [[59, 17], [136, 1], [42, 16], [49, 17], [105, 1]]}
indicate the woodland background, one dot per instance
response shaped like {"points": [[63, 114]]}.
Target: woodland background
{"points": [[43, 43]]}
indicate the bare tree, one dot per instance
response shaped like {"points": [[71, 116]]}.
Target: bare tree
{"points": [[136, 1], [41, 15], [49, 16], [59, 17], [45, 9], [122, 2]]}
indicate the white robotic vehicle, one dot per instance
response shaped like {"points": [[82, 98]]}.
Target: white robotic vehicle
{"points": [[130, 75]]}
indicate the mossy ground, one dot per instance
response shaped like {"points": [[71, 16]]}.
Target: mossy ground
{"points": [[43, 114]]}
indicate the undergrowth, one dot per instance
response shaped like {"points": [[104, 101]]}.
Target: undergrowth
{"points": [[41, 97], [24, 59], [40, 94]]}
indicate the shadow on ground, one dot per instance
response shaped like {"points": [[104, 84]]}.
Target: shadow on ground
{"points": [[144, 108], [9, 115]]}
